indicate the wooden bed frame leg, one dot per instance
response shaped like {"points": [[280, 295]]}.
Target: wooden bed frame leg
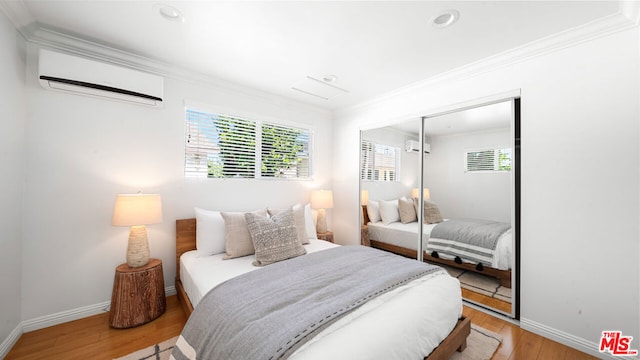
{"points": [[456, 341], [462, 346]]}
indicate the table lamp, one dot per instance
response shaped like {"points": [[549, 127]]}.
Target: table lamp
{"points": [[425, 193], [364, 197], [321, 200], [136, 211]]}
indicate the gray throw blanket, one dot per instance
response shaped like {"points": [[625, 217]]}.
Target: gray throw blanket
{"points": [[270, 312], [470, 239]]}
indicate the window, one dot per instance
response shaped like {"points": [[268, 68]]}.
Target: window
{"points": [[226, 146], [488, 160], [379, 162]]}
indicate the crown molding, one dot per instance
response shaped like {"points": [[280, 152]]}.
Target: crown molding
{"points": [[631, 10], [623, 20], [19, 14], [628, 16], [56, 40]]}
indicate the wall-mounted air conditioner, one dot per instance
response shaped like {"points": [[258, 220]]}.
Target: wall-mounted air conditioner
{"points": [[92, 78], [413, 145]]}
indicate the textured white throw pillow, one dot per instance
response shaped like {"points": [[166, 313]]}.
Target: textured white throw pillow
{"points": [[389, 211], [431, 212], [407, 210], [210, 238], [238, 241]]}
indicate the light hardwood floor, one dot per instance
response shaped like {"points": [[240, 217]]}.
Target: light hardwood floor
{"points": [[92, 338], [486, 300]]}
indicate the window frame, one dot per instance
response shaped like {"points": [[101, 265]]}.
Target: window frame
{"points": [[259, 122], [373, 174], [497, 166]]}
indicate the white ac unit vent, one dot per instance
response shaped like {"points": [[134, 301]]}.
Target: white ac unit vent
{"points": [[96, 79], [413, 145]]}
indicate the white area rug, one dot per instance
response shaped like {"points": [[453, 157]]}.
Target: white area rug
{"points": [[482, 284], [481, 344], [160, 351]]}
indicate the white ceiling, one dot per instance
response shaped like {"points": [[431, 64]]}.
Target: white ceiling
{"points": [[371, 47], [482, 118]]}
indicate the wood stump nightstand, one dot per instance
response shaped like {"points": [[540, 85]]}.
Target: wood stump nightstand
{"points": [[138, 295], [326, 236]]}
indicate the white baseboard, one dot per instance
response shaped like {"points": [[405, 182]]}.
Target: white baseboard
{"points": [[58, 318], [565, 339], [64, 316], [9, 341], [170, 290]]}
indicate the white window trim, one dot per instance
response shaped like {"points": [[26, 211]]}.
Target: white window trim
{"points": [[398, 161], [202, 107], [496, 160]]}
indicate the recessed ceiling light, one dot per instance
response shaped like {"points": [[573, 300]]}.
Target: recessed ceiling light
{"points": [[330, 78], [445, 18], [170, 13]]}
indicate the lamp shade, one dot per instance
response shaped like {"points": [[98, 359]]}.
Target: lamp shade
{"points": [[425, 193], [364, 197], [322, 199], [137, 209]]}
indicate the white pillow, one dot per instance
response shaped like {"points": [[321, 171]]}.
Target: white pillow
{"points": [[373, 211], [310, 225], [389, 211], [210, 232]]}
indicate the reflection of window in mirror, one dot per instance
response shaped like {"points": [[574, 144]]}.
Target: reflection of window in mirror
{"points": [[379, 162], [488, 160]]}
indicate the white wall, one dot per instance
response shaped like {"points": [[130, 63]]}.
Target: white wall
{"points": [[82, 151], [580, 233], [461, 194], [12, 158]]}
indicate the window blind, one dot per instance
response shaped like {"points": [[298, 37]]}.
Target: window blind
{"points": [[285, 152], [227, 146], [379, 162], [488, 160]]}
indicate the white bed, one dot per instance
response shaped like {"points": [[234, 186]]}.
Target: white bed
{"points": [[406, 323], [201, 274], [405, 236]]}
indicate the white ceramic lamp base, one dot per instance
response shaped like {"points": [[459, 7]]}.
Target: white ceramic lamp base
{"points": [[138, 248], [321, 222]]}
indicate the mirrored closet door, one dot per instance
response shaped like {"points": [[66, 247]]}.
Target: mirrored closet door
{"points": [[462, 166]]}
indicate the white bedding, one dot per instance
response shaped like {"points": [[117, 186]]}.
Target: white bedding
{"points": [[201, 274], [406, 323], [405, 235]]}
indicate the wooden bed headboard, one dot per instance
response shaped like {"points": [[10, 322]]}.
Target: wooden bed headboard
{"points": [[185, 239]]}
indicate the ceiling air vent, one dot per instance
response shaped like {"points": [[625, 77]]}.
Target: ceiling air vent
{"points": [[319, 88]]}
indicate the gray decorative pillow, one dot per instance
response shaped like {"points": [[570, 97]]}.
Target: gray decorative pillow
{"points": [[431, 212], [274, 239], [407, 211]]}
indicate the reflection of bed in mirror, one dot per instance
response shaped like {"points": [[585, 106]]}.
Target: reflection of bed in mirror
{"points": [[400, 238]]}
